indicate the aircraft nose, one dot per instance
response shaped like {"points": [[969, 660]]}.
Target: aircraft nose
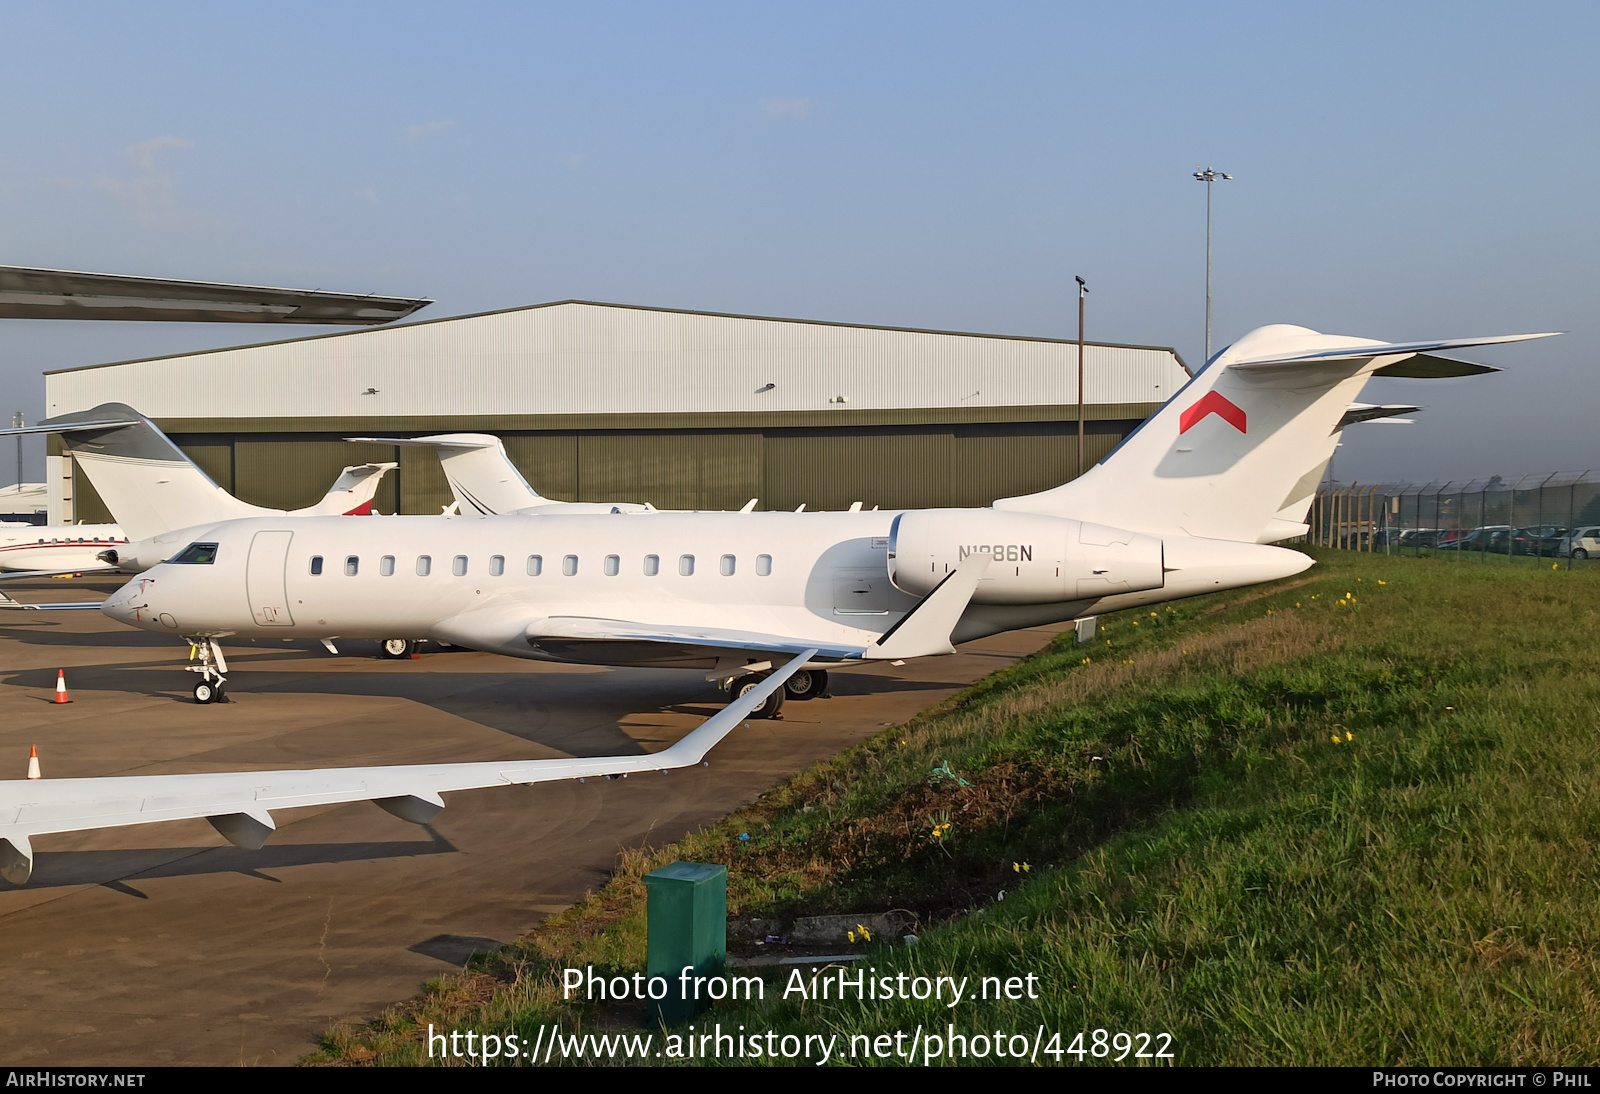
{"points": [[129, 603]]}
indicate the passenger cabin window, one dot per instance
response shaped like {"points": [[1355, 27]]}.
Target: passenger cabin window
{"points": [[497, 565], [726, 565], [686, 565], [458, 565], [613, 564], [569, 565], [352, 563], [652, 565], [424, 565], [763, 565], [197, 554], [535, 565], [316, 565], [386, 566]]}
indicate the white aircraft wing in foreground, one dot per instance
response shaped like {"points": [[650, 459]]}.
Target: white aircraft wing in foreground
{"points": [[239, 804]]}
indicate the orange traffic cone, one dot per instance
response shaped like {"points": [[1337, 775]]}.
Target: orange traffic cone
{"points": [[33, 762], [61, 686]]}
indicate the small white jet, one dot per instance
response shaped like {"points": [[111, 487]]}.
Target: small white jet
{"points": [[239, 804], [1189, 503], [485, 481], [155, 491]]}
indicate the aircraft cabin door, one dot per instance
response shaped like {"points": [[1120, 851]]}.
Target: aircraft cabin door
{"points": [[264, 579]]}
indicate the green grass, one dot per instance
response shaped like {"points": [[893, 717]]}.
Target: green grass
{"points": [[1279, 825]]}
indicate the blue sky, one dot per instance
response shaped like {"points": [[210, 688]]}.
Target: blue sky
{"points": [[1402, 171]]}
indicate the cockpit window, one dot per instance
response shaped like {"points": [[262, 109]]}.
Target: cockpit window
{"points": [[196, 554]]}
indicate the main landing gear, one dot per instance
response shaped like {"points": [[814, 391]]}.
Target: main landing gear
{"points": [[743, 685], [213, 670], [807, 684], [398, 649]]}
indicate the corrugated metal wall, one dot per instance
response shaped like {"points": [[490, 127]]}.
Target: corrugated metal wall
{"points": [[584, 358], [891, 467]]}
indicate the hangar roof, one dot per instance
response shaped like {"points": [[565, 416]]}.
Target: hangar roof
{"points": [[577, 359]]}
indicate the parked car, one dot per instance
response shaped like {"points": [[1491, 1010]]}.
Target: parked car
{"points": [[1491, 538], [1541, 540], [1420, 537], [1580, 543]]}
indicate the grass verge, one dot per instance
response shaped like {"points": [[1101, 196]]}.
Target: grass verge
{"points": [[1351, 819]]}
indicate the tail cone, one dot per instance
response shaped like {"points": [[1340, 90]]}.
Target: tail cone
{"points": [[61, 686], [33, 762]]}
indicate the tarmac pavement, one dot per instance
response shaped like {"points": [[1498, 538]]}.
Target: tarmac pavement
{"points": [[164, 944]]}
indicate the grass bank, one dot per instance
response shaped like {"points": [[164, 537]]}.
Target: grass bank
{"points": [[1350, 819]]}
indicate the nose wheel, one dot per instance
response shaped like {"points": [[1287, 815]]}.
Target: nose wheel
{"points": [[209, 691], [213, 670]]}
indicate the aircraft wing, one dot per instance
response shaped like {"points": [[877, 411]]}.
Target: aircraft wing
{"points": [[8, 603], [27, 293], [577, 628], [923, 631], [239, 804], [11, 604]]}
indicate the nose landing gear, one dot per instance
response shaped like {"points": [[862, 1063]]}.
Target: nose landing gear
{"points": [[213, 670]]}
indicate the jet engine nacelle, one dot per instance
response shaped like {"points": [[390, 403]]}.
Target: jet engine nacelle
{"points": [[1035, 559]]}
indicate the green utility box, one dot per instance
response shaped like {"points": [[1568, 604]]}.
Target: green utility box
{"points": [[688, 929]]}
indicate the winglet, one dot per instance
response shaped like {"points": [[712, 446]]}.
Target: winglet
{"points": [[926, 628]]}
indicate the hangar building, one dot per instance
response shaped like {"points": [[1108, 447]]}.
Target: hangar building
{"points": [[604, 402]]}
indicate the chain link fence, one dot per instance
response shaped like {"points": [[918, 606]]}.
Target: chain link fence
{"points": [[1549, 516]]}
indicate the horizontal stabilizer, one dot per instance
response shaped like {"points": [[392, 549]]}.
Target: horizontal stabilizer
{"points": [[1427, 366], [1359, 348], [1367, 412], [68, 427]]}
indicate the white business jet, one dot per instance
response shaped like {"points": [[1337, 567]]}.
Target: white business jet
{"points": [[155, 491], [485, 482], [1189, 503]]}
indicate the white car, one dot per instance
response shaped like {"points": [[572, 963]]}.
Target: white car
{"points": [[1581, 543]]}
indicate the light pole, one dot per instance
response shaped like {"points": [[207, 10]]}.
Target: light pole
{"points": [[1208, 176], [16, 423], [1083, 290]]}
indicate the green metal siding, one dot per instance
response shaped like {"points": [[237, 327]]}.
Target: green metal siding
{"points": [[950, 464]]}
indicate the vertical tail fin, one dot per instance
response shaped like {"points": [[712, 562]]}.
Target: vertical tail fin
{"points": [[1237, 453], [481, 475], [351, 493], [148, 483]]}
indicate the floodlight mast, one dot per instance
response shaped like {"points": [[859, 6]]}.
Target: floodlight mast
{"points": [[1209, 176], [1083, 289]]}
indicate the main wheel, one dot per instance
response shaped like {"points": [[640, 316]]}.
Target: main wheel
{"points": [[1579, 553], [397, 649], [206, 692], [768, 709], [807, 684]]}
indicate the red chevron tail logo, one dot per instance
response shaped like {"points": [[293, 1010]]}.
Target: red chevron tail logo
{"points": [[1212, 403]]}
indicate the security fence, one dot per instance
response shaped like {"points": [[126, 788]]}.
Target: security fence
{"points": [[1555, 516]]}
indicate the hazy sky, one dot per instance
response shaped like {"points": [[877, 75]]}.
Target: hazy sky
{"points": [[1402, 171]]}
